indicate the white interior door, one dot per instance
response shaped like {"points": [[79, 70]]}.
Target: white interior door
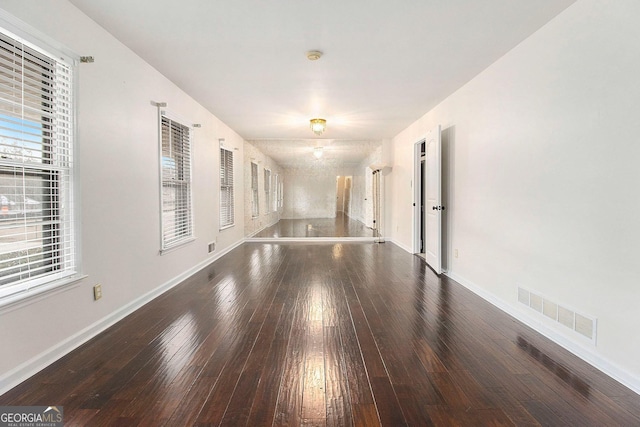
{"points": [[434, 208]]}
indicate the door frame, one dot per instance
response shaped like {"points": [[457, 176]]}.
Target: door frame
{"points": [[417, 189], [339, 195], [368, 209], [433, 179], [346, 204]]}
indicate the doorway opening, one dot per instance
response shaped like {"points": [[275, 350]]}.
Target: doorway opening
{"points": [[376, 187], [343, 195], [428, 208], [419, 197]]}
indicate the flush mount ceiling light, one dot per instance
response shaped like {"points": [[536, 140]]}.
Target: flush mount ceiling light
{"points": [[318, 126], [317, 152], [314, 55]]}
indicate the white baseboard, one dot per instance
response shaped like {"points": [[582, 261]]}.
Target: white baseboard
{"points": [[589, 355], [49, 356], [36, 364], [400, 245], [310, 239], [263, 228]]}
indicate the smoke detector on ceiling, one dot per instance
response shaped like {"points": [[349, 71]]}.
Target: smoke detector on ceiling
{"points": [[314, 55]]}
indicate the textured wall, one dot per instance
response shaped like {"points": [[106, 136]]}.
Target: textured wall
{"points": [[266, 216], [311, 192], [361, 193]]}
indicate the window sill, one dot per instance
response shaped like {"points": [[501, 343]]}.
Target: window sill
{"points": [[177, 245], [38, 293], [227, 227]]}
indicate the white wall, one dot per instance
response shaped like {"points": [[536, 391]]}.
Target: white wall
{"points": [[266, 216], [541, 177], [361, 193], [119, 190], [311, 192]]}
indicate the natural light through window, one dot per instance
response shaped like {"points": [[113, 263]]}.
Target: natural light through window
{"points": [[37, 237]]}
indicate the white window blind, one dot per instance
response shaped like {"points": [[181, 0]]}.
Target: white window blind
{"points": [[175, 165], [37, 237], [227, 217], [267, 190], [255, 208]]}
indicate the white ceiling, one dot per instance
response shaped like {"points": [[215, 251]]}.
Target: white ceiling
{"points": [[336, 154], [385, 64]]}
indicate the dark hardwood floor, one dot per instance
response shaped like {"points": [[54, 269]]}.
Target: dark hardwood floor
{"points": [[340, 226], [324, 334]]}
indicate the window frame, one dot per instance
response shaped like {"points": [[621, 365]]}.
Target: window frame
{"points": [[267, 190], [255, 191], [62, 199], [276, 184], [226, 183], [189, 236]]}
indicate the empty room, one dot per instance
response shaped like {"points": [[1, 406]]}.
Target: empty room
{"points": [[319, 213]]}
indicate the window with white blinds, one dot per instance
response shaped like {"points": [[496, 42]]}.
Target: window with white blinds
{"points": [[37, 231], [175, 165], [267, 190], [227, 217], [255, 208]]}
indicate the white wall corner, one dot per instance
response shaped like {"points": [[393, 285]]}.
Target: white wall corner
{"points": [[589, 355], [400, 245]]}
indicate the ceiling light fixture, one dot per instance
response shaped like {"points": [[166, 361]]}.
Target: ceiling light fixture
{"points": [[318, 126], [314, 55], [317, 152]]}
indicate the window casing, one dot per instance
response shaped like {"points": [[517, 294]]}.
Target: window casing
{"points": [[267, 190], [276, 185], [37, 220], [255, 202], [227, 214], [175, 166]]}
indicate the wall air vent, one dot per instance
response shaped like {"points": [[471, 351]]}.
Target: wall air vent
{"points": [[584, 325]]}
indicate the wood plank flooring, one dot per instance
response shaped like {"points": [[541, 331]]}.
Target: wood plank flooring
{"points": [[340, 226], [324, 334]]}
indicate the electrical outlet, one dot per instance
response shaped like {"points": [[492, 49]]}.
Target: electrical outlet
{"points": [[97, 292], [455, 253], [212, 247]]}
